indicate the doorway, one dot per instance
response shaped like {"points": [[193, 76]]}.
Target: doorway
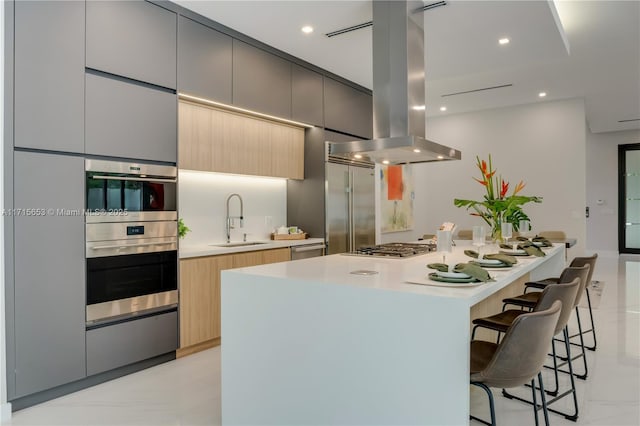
{"points": [[629, 198]]}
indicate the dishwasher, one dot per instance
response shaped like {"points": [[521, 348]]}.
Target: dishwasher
{"points": [[306, 251]]}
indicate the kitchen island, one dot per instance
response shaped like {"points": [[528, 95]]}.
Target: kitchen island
{"points": [[310, 342]]}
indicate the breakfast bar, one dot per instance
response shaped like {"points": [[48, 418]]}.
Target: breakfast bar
{"points": [[356, 340]]}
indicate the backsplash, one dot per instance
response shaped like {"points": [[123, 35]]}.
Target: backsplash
{"points": [[202, 205]]}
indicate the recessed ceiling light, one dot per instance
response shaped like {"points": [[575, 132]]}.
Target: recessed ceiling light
{"points": [[358, 156], [416, 150], [443, 108], [385, 161], [419, 107], [542, 94], [307, 29], [440, 157], [504, 41]]}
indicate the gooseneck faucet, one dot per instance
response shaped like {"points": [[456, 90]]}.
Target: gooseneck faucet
{"points": [[230, 218]]}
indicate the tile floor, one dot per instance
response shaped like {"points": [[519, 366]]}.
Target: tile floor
{"points": [[187, 391]]}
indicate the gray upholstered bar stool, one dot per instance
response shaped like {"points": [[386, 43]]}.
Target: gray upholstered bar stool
{"points": [[517, 359], [578, 261], [564, 293]]}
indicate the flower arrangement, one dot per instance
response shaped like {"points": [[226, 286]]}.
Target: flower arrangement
{"points": [[497, 206]]}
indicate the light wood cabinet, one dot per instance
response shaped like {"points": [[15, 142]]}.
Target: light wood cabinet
{"points": [[200, 294], [216, 140], [200, 298]]}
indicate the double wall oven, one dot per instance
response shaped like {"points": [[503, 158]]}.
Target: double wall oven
{"points": [[131, 241]]}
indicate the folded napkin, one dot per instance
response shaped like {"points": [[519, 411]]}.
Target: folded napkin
{"points": [[543, 240], [504, 258], [470, 269], [475, 271], [441, 267], [529, 248]]}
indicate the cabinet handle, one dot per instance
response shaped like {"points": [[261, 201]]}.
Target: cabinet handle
{"points": [[137, 179], [130, 245]]}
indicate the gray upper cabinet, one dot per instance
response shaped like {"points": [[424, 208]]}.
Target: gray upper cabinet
{"points": [[204, 61], [124, 119], [49, 75], [347, 109], [306, 96], [49, 272], [134, 39], [261, 81]]}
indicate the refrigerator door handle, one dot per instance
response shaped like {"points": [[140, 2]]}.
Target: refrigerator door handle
{"points": [[350, 209]]}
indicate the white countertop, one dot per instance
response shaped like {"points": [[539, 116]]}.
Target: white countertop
{"points": [[209, 250], [393, 273], [308, 330]]}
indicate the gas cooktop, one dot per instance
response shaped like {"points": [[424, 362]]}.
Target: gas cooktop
{"points": [[393, 250]]}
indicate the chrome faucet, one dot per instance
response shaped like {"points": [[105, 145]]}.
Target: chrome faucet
{"points": [[230, 222]]}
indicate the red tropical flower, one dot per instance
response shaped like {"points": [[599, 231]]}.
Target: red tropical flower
{"points": [[505, 188]]}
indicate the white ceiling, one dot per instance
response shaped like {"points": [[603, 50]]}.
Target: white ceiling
{"points": [[592, 52]]}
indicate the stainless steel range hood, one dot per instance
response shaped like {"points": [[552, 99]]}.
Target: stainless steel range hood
{"points": [[398, 92]]}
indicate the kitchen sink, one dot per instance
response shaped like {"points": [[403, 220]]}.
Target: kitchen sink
{"points": [[241, 244]]}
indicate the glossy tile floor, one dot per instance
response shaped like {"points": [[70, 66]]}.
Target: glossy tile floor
{"points": [[187, 391]]}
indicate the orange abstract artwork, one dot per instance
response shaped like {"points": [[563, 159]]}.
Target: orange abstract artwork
{"points": [[394, 183]]}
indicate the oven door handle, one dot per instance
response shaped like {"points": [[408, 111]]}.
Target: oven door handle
{"points": [[137, 179], [130, 245]]}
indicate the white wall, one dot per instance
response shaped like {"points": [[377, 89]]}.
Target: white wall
{"points": [[602, 184], [542, 144], [202, 204]]}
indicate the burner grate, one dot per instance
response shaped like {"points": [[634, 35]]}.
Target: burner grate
{"points": [[395, 250]]}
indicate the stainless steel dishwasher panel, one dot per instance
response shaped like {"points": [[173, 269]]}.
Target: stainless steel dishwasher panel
{"points": [[306, 251]]}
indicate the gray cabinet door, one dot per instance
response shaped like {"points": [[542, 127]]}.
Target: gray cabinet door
{"points": [[306, 96], [49, 75], [261, 81], [134, 39], [132, 341], [347, 109], [49, 272], [131, 121], [204, 61]]}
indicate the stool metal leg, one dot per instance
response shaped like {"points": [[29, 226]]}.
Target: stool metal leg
{"points": [[572, 417], [592, 330], [491, 405]]}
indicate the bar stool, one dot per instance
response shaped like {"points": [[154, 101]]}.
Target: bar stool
{"points": [[501, 322], [578, 261], [517, 359], [529, 300]]}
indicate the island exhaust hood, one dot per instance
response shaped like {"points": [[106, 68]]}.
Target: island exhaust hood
{"points": [[398, 92]]}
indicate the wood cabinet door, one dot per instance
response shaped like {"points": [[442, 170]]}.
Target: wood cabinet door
{"points": [[276, 255], [200, 298], [216, 140]]}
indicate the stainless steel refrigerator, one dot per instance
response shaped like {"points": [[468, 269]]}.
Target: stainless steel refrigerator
{"points": [[350, 207]]}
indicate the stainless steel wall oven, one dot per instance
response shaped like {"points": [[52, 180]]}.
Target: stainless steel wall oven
{"points": [[126, 192], [131, 240]]}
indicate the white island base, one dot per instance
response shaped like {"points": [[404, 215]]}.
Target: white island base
{"points": [[307, 342]]}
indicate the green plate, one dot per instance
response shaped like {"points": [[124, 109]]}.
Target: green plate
{"points": [[488, 265], [435, 277]]}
